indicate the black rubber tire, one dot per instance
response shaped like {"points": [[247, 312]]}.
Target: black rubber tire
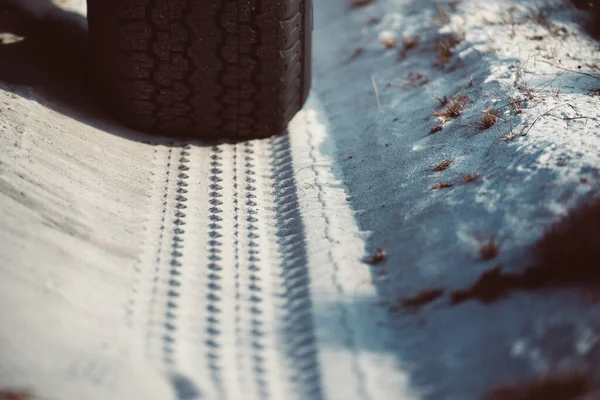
{"points": [[203, 68]]}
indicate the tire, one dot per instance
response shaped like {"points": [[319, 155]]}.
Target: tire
{"points": [[204, 68]]}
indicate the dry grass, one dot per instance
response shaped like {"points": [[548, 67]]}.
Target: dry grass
{"points": [[513, 136], [540, 17], [356, 54], [360, 3], [593, 66], [453, 5], [445, 46], [528, 92], [443, 100], [435, 129], [379, 257], [389, 43], [441, 16], [510, 18], [469, 178], [566, 385], [456, 106], [441, 185], [444, 165], [515, 105], [373, 21], [470, 83], [377, 99], [489, 118], [525, 130], [408, 43], [414, 79]]}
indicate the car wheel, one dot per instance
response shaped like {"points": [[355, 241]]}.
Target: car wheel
{"points": [[202, 68]]}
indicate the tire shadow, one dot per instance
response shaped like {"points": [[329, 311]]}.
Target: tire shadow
{"points": [[592, 23], [45, 47]]}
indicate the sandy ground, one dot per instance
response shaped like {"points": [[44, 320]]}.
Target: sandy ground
{"points": [[130, 270]]}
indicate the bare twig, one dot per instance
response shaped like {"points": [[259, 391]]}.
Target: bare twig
{"points": [[571, 70], [376, 94], [525, 130]]}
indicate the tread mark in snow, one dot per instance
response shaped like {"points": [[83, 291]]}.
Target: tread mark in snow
{"points": [[137, 280], [159, 254], [254, 269], [238, 313], [177, 245], [214, 257], [300, 343], [344, 322], [185, 389]]}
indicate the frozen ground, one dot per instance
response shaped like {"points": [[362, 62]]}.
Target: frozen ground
{"points": [[122, 277]]}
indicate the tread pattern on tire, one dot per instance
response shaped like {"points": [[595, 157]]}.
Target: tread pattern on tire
{"points": [[206, 68]]}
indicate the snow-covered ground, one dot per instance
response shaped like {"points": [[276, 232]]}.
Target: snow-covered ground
{"points": [[86, 255], [539, 160]]}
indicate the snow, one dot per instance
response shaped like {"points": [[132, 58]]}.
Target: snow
{"points": [[82, 199], [433, 237]]}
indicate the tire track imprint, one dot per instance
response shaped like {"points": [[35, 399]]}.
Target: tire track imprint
{"points": [[159, 254], [137, 279], [298, 327], [177, 247], [236, 281], [213, 297], [236, 227], [349, 340], [254, 268]]}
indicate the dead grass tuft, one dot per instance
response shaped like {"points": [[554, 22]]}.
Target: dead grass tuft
{"points": [[456, 106], [441, 16], [566, 385], [515, 105], [444, 165], [408, 43], [379, 257], [435, 129], [377, 99], [414, 79], [389, 43], [441, 185], [540, 17], [356, 54], [443, 100], [469, 178], [445, 45], [453, 5], [360, 3], [490, 116], [528, 92], [593, 66]]}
